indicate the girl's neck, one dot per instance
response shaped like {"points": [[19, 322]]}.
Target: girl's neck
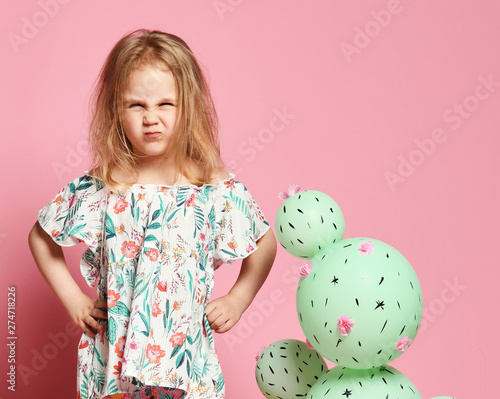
{"points": [[159, 171]]}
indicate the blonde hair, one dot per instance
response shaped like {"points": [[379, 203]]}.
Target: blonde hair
{"points": [[194, 145]]}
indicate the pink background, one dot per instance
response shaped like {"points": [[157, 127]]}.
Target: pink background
{"points": [[390, 113]]}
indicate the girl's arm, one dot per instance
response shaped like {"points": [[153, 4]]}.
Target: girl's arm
{"points": [[49, 258], [224, 312]]}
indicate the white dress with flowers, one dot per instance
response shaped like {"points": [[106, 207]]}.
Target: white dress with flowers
{"points": [[152, 252]]}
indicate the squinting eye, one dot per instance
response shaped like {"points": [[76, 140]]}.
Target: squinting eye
{"points": [[166, 104], [135, 105]]}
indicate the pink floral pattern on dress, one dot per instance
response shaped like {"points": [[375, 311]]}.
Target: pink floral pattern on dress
{"points": [[151, 254], [156, 310], [177, 339], [154, 353], [120, 346], [120, 206], [162, 286], [191, 200], [129, 249], [113, 298]]}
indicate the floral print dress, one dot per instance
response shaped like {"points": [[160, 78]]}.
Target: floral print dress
{"points": [[152, 252]]}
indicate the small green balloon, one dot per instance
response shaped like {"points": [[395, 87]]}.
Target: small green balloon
{"points": [[287, 369], [377, 383], [361, 304], [308, 222]]}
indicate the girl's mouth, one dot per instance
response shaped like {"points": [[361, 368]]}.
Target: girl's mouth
{"points": [[152, 134]]}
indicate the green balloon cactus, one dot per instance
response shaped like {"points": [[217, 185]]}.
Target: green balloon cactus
{"points": [[359, 304], [377, 383], [288, 369], [307, 222]]}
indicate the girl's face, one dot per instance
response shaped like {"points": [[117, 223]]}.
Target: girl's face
{"points": [[150, 111]]}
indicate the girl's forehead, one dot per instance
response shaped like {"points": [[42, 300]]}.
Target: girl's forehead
{"points": [[150, 78], [152, 65], [145, 71]]}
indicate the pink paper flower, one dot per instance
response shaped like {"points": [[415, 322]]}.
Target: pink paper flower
{"points": [[261, 349], [365, 248], [305, 269], [293, 189], [345, 324], [403, 344]]}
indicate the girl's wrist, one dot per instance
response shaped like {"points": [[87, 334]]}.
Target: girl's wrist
{"points": [[70, 295], [244, 300]]}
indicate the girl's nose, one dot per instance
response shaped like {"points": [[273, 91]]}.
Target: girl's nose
{"points": [[150, 118]]}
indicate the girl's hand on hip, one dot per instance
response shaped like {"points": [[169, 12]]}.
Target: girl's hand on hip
{"points": [[224, 312], [84, 312]]}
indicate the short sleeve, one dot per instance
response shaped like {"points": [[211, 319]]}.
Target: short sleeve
{"points": [[76, 215], [239, 223]]}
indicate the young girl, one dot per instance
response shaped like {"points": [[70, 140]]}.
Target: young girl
{"points": [[158, 215]]}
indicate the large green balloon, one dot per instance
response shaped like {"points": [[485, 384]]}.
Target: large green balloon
{"points": [[288, 369], [370, 283], [308, 222], [376, 383]]}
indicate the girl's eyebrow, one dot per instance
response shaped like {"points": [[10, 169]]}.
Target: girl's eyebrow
{"points": [[135, 100]]}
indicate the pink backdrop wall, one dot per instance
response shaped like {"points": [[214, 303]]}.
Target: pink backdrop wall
{"points": [[391, 107]]}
